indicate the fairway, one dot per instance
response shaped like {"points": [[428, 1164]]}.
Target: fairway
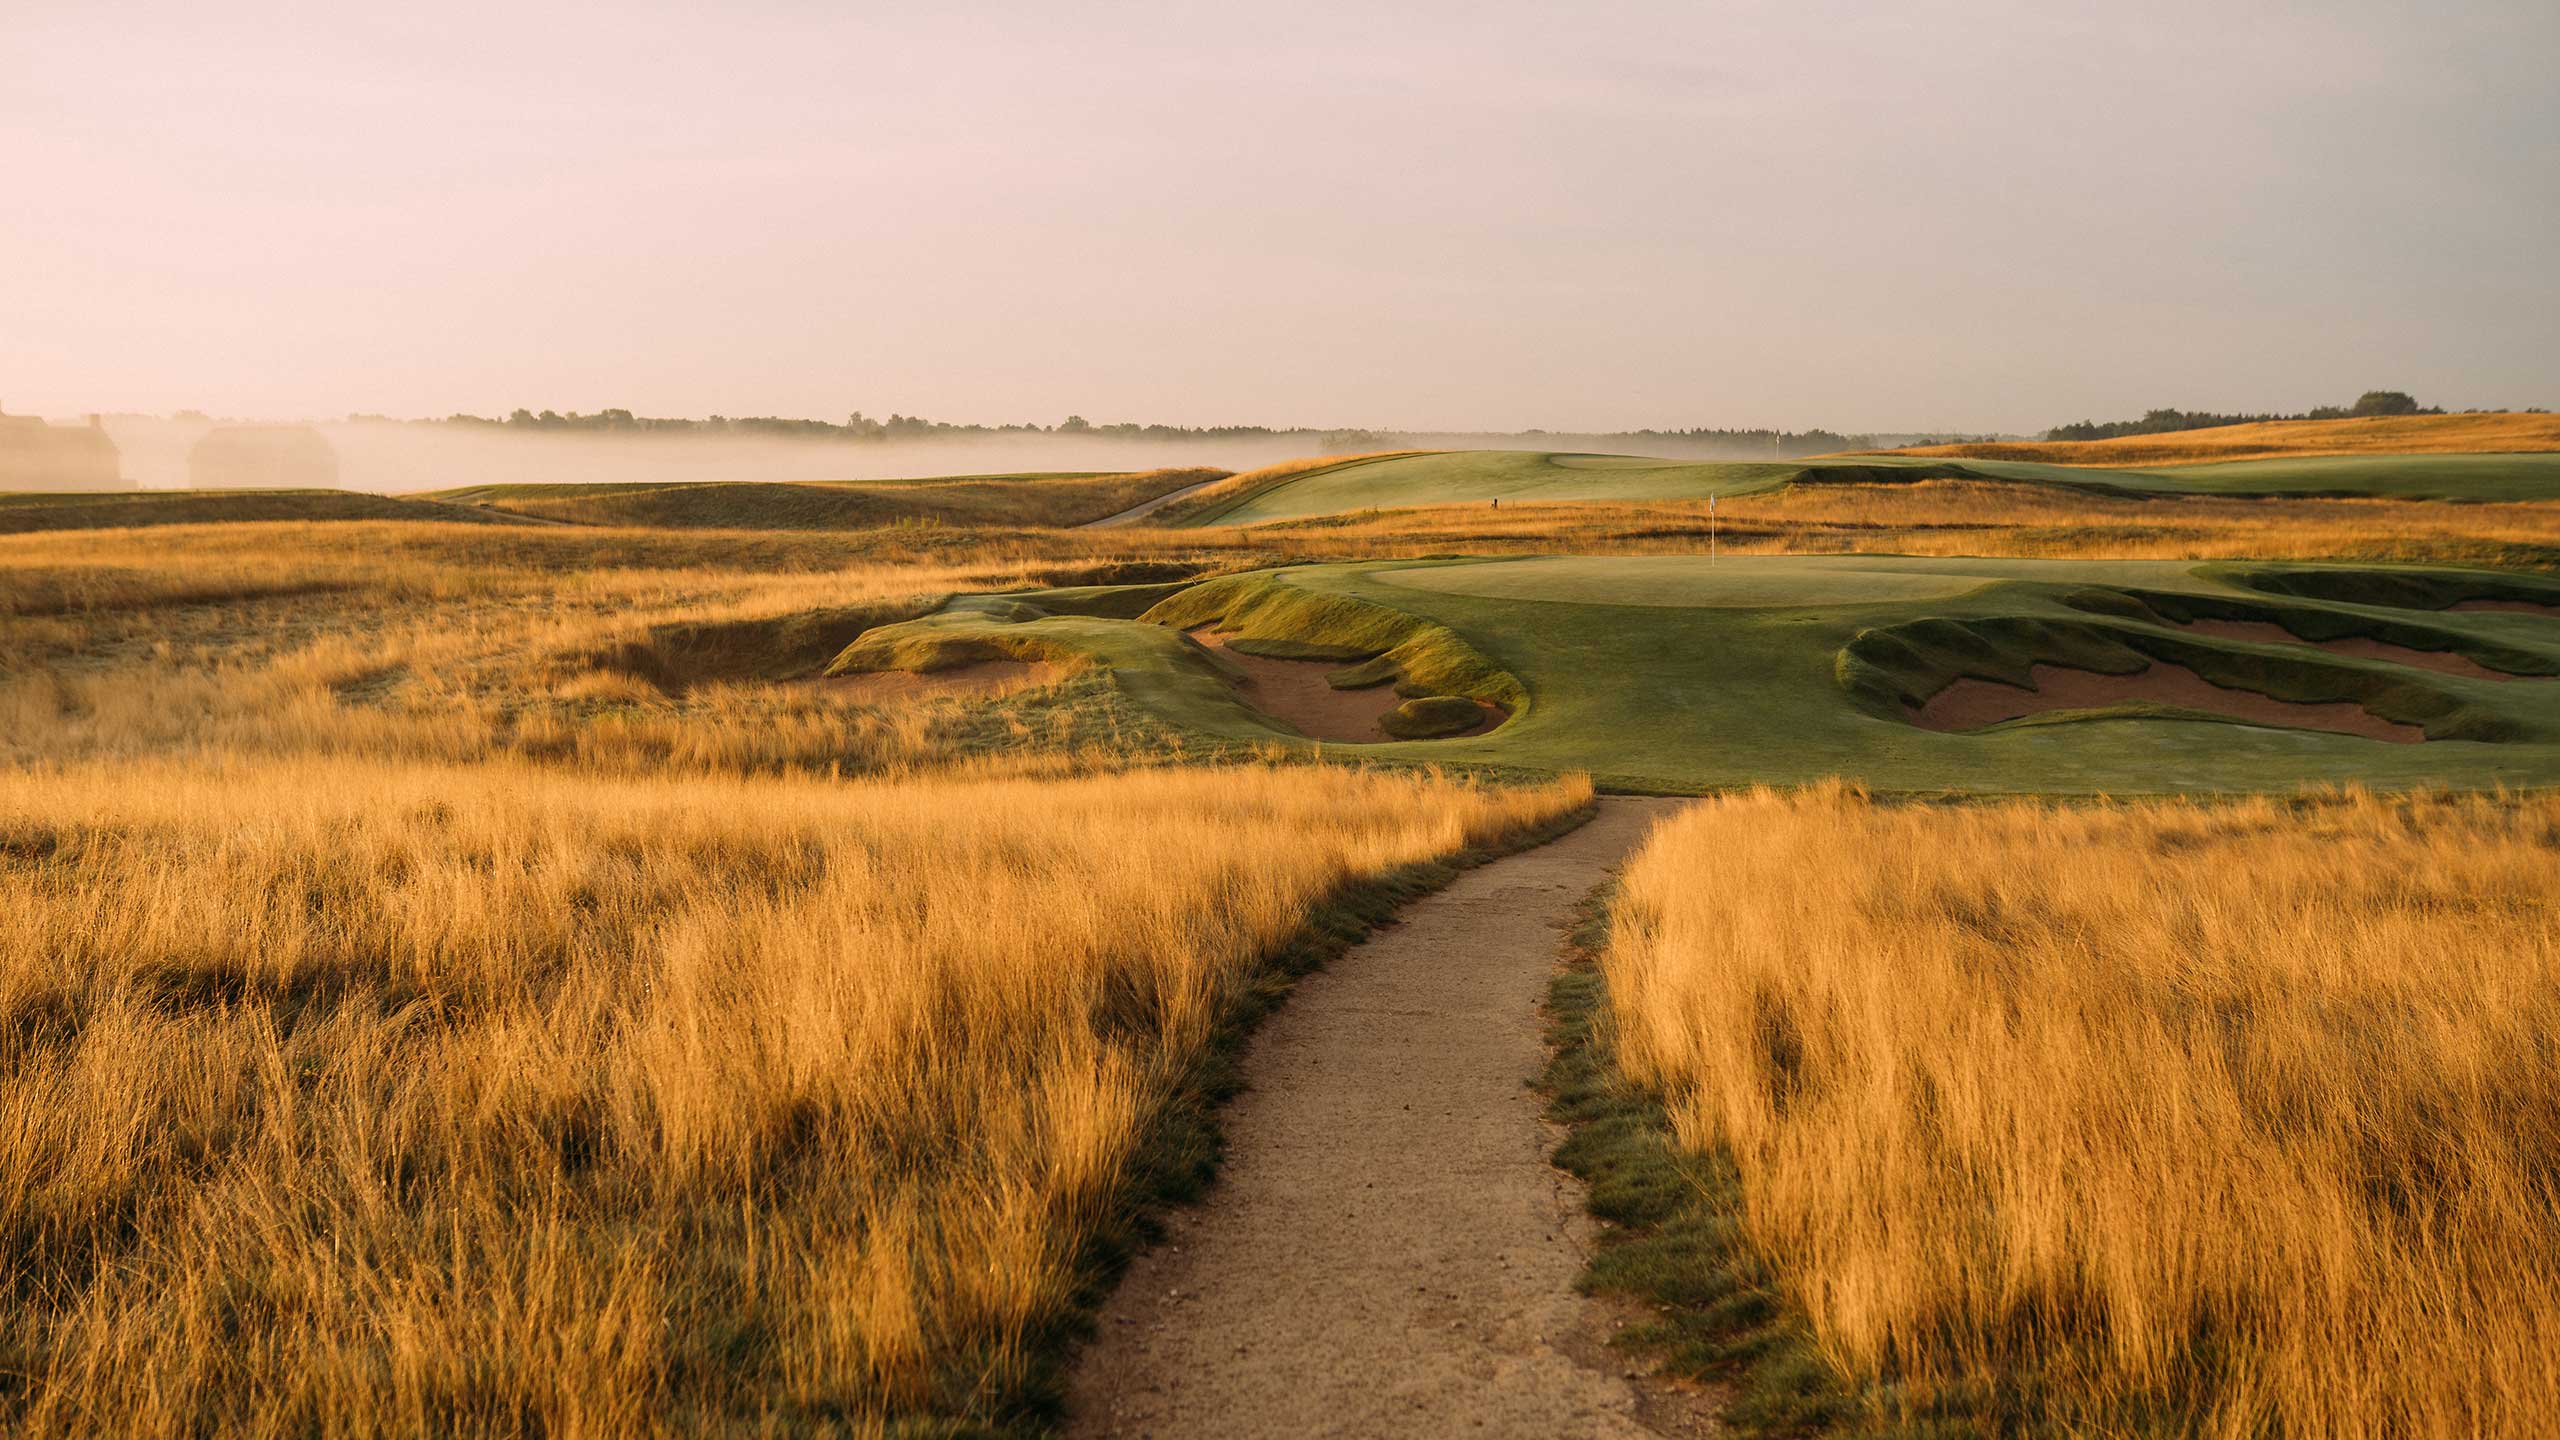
{"points": [[1681, 582], [1677, 674], [1528, 477], [1454, 477]]}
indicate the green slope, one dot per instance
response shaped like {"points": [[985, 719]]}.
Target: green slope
{"points": [[1452, 477], [1478, 477], [1671, 674]]}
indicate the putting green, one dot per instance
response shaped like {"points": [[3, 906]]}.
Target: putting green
{"points": [[1483, 477], [1672, 674]]}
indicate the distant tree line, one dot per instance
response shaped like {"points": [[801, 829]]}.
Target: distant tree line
{"points": [[858, 426], [2161, 422]]}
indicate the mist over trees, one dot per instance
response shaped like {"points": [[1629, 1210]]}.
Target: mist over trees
{"points": [[1753, 443]]}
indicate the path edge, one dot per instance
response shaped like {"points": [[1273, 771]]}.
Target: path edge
{"points": [[1670, 1245]]}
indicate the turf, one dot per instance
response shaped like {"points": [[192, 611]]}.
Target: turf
{"points": [[1678, 675], [1484, 477]]}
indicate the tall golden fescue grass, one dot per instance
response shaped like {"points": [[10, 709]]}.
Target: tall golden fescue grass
{"points": [[2499, 431], [2241, 1117], [364, 1099]]}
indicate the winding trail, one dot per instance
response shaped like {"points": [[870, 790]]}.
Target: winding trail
{"points": [[1148, 507], [1388, 1251]]}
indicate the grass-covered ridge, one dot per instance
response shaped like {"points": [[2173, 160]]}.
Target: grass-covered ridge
{"points": [[1062, 498], [1523, 477], [1138, 633]]}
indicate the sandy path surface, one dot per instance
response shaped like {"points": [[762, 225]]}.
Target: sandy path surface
{"points": [[1387, 1251]]}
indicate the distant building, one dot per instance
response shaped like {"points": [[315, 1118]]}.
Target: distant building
{"points": [[263, 457], [38, 456]]}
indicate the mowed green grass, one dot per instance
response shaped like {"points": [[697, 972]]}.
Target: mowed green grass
{"points": [[1481, 477], [1675, 674], [1458, 477]]}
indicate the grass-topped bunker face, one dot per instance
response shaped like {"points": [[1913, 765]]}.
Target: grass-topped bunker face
{"points": [[1680, 673]]}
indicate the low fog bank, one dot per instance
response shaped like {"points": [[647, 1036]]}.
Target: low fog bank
{"points": [[396, 457]]}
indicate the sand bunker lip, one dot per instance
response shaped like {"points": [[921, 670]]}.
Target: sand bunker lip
{"points": [[1297, 694], [976, 680], [1971, 704], [2360, 647]]}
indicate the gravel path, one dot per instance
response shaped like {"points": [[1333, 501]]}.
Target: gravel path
{"points": [[1387, 1251]]}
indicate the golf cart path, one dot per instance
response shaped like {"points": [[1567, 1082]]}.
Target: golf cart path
{"points": [[1148, 507], [1387, 1251]]}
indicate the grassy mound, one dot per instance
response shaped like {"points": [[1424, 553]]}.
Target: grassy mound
{"points": [[2399, 589], [1265, 610], [1030, 499], [21, 513], [1138, 634], [1431, 716]]}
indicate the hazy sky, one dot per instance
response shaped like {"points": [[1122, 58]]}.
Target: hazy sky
{"points": [[1947, 214]]}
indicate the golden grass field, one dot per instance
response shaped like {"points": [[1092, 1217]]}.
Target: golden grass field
{"points": [[356, 1098], [2497, 432], [463, 979], [2240, 1117]]}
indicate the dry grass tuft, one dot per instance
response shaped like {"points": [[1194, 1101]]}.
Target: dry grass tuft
{"points": [[2242, 1117]]}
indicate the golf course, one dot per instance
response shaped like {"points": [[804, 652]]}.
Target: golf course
{"points": [[1529, 477], [1679, 674]]}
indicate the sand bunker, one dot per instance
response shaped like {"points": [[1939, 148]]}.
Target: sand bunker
{"points": [[1970, 704], [1296, 693], [2361, 647], [976, 680]]}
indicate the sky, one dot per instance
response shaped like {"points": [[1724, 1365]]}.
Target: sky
{"points": [[1942, 214]]}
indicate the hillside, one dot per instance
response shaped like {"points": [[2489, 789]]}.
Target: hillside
{"points": [[2506, 432], [106, 510], [1041, 499]]}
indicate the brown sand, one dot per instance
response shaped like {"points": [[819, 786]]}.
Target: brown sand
{"points": [[1296, 693], [1387, 1251], [971, 681], [2361, 647], [1970, 704]]}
